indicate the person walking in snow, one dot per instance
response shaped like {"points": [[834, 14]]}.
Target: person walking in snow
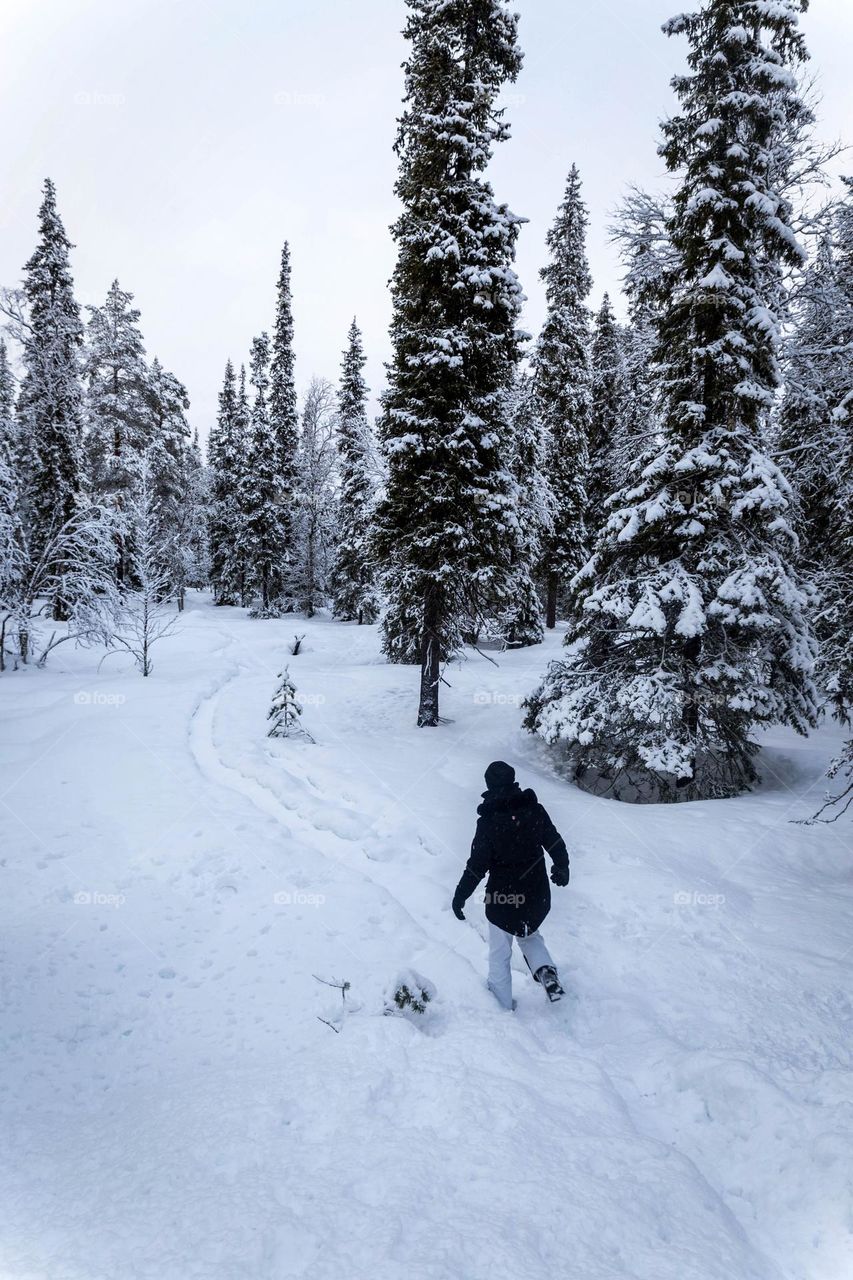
{"points": [[513, 835]]}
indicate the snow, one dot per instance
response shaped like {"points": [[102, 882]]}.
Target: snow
{"points": [[174, 1109], [717, 278]]}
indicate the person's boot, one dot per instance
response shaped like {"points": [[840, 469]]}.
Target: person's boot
{"points": [[546, 976]]}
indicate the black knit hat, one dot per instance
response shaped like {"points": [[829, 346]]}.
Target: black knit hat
{"points": [[499, 775]]}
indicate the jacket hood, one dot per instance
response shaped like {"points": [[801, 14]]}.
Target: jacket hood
{"points": [[507, 798]]}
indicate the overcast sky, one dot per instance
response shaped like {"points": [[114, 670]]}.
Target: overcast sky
{"points": [[189, 138]]}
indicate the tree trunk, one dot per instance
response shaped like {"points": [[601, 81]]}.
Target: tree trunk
{"points": [[430, 660], [551, 606]]}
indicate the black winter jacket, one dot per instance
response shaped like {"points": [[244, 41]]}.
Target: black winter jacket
{"points": [[512, 831]]}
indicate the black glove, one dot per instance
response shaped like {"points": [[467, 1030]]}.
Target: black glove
{"points": [[457, 904], [559, 875]]}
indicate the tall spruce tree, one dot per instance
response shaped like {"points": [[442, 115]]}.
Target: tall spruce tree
{"points": [[690, 630], [242, 438], [194, 525], [564, 388], [284, 420], [456, 299], [117, 419], [521, 618], [171, 461], [316, 524], [607, 447], [815, 441], [50, 399], [354, 593], [263, 529], [641, 232], [11, 542], [225, 459]]}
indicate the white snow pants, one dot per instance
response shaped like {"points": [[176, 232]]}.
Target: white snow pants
{"points": [[500, 954]]}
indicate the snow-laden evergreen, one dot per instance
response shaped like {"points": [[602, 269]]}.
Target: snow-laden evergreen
{"points": [[564, 387], [456, 299], [194, 539], [354, 593], [691, 627], [11, 537], [118, 428], [284, 420], [641, 232], [240, 528], [263, 530], [177, 488], [316, 531], [608, 413], [519, 621], [285, 711], [226, 456], [815, 441], [50, 397]]}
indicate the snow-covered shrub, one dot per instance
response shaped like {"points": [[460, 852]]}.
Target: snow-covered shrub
{"points": [[285, 712], [266, 611], [409, 993]]}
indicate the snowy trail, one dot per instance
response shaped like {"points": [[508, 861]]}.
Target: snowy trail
{"points": [[685, 1116], [324, 840]]}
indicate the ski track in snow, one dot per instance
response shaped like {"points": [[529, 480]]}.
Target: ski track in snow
{"points": [[175, 1108]]}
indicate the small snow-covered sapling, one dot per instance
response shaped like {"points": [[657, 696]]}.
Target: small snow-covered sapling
{"points": [[285, 712]]}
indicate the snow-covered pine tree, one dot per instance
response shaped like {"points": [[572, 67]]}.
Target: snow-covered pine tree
{"points": [[607, 447], [196, 486], [242, 444], [839, 650], [641, 231], [170, 469], [11, 541], [521, 616], [225, 460], [354, 592], [50, 398], [8, 431], [117, 425], [563, 375], [284, 419], [315, 530], [285, 711], [447, 509], [815, 441], [690, 629], [264, 535]]}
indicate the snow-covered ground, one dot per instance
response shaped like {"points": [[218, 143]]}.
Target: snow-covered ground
{"points": [[172, 1106]]}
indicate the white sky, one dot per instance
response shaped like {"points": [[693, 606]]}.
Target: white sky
{"points": [[189, 138]]}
